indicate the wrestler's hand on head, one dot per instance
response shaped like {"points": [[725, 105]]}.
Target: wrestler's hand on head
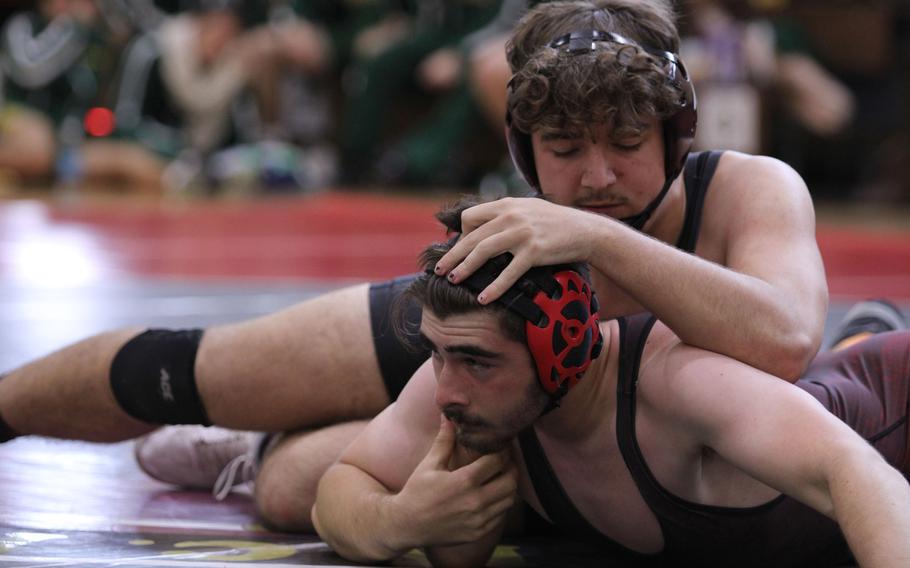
{"points": [[535, 231], [444, 505]]}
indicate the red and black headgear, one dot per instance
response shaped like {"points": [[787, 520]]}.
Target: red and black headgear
{"points": [[560, 308], [678, 128]]}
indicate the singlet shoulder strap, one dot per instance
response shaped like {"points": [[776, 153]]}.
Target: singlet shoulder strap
{"points": [[633, 335], [633, 331], [552, 496], [697, 175]]}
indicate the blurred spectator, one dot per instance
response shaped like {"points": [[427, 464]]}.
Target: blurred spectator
{"points": [[418, 50], [874, 158], [833, 83], [286, 122], [735, 61], [232, 89], [204, 66], [129, 16], [56, 62], [860, 44], [487, 68]]}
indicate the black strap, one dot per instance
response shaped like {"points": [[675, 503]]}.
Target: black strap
{"points": [[697, 176], [552, 496], [633, 335]]}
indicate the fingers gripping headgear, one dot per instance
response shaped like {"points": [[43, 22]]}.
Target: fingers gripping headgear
{"points": [[562, 320], [678, 128]]}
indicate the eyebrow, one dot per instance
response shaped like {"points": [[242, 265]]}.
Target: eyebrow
{"points": [[559, 135], [472, 350]]}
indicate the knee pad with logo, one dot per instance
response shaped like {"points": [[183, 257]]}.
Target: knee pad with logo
{"points": [[153, 377]]}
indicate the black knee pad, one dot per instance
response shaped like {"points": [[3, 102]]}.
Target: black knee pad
{"points": [[154, 380]]}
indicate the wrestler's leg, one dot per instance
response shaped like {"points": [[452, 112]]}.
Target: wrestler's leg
{"points": [[176, 455], [865, 378], [310, 364], [290, 472], [67, 394]]}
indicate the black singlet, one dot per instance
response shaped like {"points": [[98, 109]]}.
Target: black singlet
{"points": [[866, 386], [398, 362]]}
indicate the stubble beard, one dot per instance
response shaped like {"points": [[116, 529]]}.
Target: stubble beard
{"points": [[481, 436]]}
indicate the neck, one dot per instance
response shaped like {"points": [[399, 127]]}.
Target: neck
{"points": [[666, 222], [584, 408]]}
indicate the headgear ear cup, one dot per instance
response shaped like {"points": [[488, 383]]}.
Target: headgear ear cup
{"points": [[567, 338], [521, 150], [679, 129]]}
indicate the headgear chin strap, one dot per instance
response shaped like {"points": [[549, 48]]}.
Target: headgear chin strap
{"points": [[678, 128], [562, 321], [638, 221]]}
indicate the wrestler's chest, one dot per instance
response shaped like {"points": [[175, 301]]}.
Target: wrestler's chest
{"points": [[601, 488]]}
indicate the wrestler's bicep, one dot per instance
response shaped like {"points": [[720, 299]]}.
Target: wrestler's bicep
{"points": [[771, 236], [757, 194], [395, 441]]}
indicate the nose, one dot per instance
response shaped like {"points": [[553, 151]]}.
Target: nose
{"points": [[598, 170], [450, 388]]}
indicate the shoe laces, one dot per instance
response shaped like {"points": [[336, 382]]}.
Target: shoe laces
{"points": [[237, 472]]}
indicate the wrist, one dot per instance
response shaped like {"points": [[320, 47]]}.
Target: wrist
{"points": [[400, 534], [598, 233]]}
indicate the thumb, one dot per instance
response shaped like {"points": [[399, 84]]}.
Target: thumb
{"points": [[441, 451]]}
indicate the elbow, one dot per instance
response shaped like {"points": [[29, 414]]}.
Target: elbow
{"points": [[335, 539], [796, 358], [352, 551], [791, 354], [322, 529]]}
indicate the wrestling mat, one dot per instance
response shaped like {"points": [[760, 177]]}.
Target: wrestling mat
{"points": [[68, 270]]}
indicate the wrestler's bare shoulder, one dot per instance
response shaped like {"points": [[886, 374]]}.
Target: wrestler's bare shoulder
{"points": [[746, 175], [757, 192]]}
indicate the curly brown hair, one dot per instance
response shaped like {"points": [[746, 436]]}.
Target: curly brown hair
{"points": [[618, 85]]}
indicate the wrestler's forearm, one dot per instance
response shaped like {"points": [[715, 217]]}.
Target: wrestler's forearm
{"points": [[775, 327], [872, 505], [363, 521], [356, 516]]}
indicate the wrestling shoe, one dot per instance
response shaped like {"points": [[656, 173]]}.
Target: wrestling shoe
{"points": [[865, 319], [200, 457]]}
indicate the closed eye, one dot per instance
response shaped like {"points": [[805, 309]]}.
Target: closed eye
{"points": [[564, 153], [628, 147]]}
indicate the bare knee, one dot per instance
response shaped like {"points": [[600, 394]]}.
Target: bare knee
{"points": [[285, 495], [288, 478]]}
